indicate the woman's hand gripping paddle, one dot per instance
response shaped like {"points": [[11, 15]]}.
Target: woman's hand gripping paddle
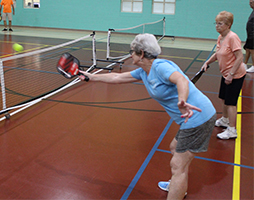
{"points": [[69, 66]]}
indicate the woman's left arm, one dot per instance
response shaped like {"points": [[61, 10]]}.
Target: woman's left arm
{"points": [[182, 85], [238, 62]]}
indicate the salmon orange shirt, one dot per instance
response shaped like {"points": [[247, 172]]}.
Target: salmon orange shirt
{"points": [[226, 57]]}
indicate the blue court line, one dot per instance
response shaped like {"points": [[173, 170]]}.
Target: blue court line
{"points": [[213, 160], [145, 163], [150, 155], [194, 60]]}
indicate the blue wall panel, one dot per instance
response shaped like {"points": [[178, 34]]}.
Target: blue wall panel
{"points": [[193, 18]]}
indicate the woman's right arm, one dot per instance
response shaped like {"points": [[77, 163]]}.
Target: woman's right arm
{"points": [[114, 78], [212, 59]]}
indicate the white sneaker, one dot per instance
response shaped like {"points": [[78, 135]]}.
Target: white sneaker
{"points": [[251, 69], [164, 185], [245, 66], [222, 122], [228, 133]]}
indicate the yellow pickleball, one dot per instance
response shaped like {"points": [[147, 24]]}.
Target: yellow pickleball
{"points": [[17, 47]]}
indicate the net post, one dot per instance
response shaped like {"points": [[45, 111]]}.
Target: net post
{"points": [[164, 26], [164, 30], [7, 115], [93, 66], [108, 43], [94, 48]]}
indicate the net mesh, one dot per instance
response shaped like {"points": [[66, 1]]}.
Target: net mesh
{"points": [[116, 37], [26, 77]]}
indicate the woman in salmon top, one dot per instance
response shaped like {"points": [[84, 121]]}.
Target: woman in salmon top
{"points": [[230, 58]]}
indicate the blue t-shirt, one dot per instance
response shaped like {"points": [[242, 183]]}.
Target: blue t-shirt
{"points": [[162, 90]]}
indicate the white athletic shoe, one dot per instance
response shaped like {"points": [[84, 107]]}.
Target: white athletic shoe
{"points": [[164, 185], [228, 133], [251, 69], [245, 66], [222, 122]]}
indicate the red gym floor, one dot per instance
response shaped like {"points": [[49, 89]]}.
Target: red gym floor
{"points": [[101, 141]]}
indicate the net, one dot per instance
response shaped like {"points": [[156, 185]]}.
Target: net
{"points": [[30, 77], [27, 79], [116, 37]]}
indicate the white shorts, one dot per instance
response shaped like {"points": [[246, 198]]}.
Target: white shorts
{"points": [[9, 15]]}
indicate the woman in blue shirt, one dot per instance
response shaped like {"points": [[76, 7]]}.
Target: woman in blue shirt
{"points": [[185, 104]]}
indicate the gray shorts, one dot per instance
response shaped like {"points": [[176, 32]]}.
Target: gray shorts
{"points": [[197, 139], [4, 15]]}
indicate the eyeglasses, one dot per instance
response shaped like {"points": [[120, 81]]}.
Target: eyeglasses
{"points": [[219, 23], [131, 52]]}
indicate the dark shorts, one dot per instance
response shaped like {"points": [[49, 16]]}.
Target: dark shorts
{"points": [[249, 44], [195, 139], [230, 93]]}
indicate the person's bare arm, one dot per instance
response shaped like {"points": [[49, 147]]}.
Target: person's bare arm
{"points": [[115, 78], [182, 85], [13, 10], [212, 59], [238, 62]]}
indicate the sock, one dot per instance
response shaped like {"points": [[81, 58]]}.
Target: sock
{"points": [[225, 119], [232, 129]]}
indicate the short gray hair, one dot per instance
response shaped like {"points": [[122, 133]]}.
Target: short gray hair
{"points": [[148, 43]]}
